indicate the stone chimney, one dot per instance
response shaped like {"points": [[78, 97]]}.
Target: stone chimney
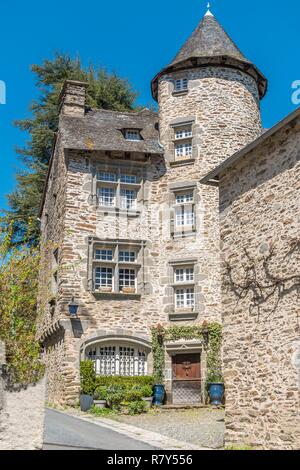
{"points": [[72, 98]]}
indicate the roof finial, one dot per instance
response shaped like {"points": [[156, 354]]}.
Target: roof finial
{"points": [[208, 13]]}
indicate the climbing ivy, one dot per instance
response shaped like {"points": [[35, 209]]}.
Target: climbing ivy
{"points": [[213, 331]]}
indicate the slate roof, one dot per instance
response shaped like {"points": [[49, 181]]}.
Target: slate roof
{"points": [[209, 44], [102, 130]]}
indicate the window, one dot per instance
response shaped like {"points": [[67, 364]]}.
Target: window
{"points": [[183, 150], [115, 267], [183, 133], [184, 298], [103, 255], [184, 275], [103, 277], [129, 179], [128, 199], [118, 359], [181, 84], [127, 279], [127, 256], [107, 196], [117, 189], [106, 176], [184, 198], [132, 134], [184, 219]]}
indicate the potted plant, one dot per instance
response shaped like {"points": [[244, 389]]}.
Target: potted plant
{"points": [[147, 397], [100, 395], [87, 381], [215, 385]]}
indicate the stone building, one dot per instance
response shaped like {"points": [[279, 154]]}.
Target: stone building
{"points": [[128, 231], [260, 240]]}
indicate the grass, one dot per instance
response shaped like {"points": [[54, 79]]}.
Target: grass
{"points": [[95, 411], [239, 447]]}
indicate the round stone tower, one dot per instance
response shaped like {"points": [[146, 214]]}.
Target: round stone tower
{"points": [[212, 90]]}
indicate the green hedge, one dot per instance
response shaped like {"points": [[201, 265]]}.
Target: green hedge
{"points": [[90, 382]]}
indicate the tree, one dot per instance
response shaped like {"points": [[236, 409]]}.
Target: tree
{"points": [[105, 90], [18, 298]]}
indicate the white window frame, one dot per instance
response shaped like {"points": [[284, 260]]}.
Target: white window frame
{"points": [[184, 132], [181, 84], [184, 150], [108, 199], [184, 274], [129, 256], [185, 298], [129, 279], [103, 254], [118, 359], [109, 279], [128, 203]]}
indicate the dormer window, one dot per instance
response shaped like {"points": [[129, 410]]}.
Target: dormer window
{"points": [[132, 134], [181, 84]]}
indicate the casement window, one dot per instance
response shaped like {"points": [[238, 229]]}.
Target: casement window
{"points": [[184, 210], [183, 133], [103, 277], [181, 84], [128, 199], [184, 150], [115, 268], [118, 359], [127, 279], [184, 274], [127, 256], [118, 189], [107, 196], [104, 255], [106, 176], [184, 298], [129, 179], [132, 134]]}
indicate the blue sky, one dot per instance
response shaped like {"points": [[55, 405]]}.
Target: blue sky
{"points": [[136, 39]]}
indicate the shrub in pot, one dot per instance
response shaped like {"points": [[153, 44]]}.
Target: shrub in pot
{"points": [[100, 396], [87, 381], [147, 397]]}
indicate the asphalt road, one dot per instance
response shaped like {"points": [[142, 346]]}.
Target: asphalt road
{"points": [[63, 432]]}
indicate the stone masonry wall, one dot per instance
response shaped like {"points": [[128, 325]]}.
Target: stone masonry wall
{"points": [[260, 212]]}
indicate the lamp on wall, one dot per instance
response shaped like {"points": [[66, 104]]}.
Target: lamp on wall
{"points": [[73, 308]]}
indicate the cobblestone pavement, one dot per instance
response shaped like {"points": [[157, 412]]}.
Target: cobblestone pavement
{"points": [[203, 427]]}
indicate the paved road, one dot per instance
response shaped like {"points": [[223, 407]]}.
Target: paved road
{"points": [[69, 433]]}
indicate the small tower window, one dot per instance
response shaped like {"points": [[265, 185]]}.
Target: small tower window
{"points": [[181, 84], [132, 134]]}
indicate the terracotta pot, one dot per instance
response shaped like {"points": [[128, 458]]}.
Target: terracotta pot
{"points": [[128, 290]]}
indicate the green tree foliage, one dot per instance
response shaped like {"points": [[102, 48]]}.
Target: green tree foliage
{"points": [[18, 292], [105, 90]]}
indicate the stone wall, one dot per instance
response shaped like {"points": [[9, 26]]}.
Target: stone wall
{"points": [[21, 414], [260, 212]]}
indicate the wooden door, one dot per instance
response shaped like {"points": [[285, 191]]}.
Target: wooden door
{"points": [[186, 367], [186, 386]]}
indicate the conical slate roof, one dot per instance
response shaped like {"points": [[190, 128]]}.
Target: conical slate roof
{"points": [[209, 40], [210, 45]]}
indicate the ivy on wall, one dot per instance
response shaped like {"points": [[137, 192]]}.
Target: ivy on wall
{"points": [[209, 333]]}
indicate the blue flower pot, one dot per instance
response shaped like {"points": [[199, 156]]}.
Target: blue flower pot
{"points": [[86, 402], [216, 393], [159, 394]]}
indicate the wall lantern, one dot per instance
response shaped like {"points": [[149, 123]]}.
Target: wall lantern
{"points": [[73, 308]]}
